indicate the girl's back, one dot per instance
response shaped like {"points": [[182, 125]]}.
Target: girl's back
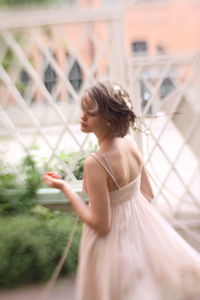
{"points": [[125, 161]]}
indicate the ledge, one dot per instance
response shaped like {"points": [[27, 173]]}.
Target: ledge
{"points": [[54, 199]]}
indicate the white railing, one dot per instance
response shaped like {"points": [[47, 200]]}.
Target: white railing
{"points": [[165, 91], [49, 57]]}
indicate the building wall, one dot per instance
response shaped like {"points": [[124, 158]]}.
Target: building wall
{"points": [[167, 26], [171, 26]]}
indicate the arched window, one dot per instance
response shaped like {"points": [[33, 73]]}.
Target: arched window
{"points": [[24, 80], [166, 87], [75, 76], [50, 78]]}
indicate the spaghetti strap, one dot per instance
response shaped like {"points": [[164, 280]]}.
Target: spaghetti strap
{"points": [[106, 165]]}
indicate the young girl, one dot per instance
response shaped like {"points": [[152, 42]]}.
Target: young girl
{"points": [[128, 251]]}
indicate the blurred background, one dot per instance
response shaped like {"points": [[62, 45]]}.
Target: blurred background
{"points": [[50, 50]]}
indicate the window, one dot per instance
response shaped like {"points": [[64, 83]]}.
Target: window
{"points": [[160, 50], [49, 78], [145, 97], [139, 47], [166, 87], [76, 76]]}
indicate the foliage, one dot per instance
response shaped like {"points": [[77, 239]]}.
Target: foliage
{"points": [[31, 246], [33, 237], [8, 57], [32, 176], [68, 159], [18, 187]]}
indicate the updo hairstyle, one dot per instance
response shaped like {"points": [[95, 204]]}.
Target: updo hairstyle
{"points": [[113, 103]]}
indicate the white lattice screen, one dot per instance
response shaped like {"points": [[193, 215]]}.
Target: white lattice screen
{"points": [[168, 88], [45, 66]]}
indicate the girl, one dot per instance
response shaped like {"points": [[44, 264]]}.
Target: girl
{"points": [[128, 251]]}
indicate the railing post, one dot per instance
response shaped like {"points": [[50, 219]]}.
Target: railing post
{"points": [[117, 70]]}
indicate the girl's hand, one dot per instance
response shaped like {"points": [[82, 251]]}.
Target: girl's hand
{"points": [[54, 180]]}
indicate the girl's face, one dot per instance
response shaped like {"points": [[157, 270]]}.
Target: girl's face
{"points": [[90, 119]]}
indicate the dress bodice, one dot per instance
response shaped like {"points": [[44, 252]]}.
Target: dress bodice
{"points": [[121, 194], [125, 193]]}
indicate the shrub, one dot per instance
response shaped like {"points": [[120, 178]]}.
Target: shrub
{"points": [[18, 186], [31, 246], [69, 157]]}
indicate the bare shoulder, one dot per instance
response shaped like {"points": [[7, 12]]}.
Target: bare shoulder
{"points": [[90, 161], [92, 166]]}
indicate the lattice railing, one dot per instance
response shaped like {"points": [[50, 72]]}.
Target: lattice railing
{"points": [[47, 58], [166, 93], [44, 69]]}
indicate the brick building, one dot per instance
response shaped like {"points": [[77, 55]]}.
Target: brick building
{"points": [[158, 26]]}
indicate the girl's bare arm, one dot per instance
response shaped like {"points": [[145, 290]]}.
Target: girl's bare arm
{"points": [[98, 214]]}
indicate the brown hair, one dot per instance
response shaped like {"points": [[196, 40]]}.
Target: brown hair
{"points": [[113, 103]]}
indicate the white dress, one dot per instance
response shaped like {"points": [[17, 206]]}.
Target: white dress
{"points": [[141, 258]]}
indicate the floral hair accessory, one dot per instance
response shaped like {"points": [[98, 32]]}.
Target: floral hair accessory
{"points": [[128, 102], [142, 128], [117, 89]]}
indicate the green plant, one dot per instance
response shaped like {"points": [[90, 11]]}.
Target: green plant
{"points": [[32, 178], [68, 159], [18, 186], [31, 246], [8, 59]]}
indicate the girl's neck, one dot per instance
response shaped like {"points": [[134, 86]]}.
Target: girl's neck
{"points": [[106, 142], [102, 137]]}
